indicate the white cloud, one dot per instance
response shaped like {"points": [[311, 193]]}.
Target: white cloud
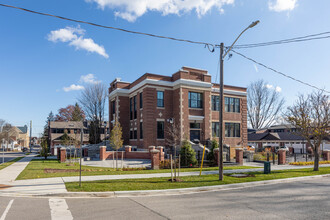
{"points": [[89, 78], [256, 68], [278, 89], [130, 10], [282, 5], [75, 38], [73, 87], [268, 86]]}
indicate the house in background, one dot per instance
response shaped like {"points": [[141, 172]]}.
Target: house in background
{"points": [[73, 128], [18, 137], [148, 107], [282, 135]]}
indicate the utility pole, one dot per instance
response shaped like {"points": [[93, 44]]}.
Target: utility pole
{"points": [[221, 115], [221, 98], [30, 136]]}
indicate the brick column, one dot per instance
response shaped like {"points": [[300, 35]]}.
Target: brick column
{"points": [[102, 152], [281, 157], [85, 152], [326, 155], [154, 159], [216, 156], [62, 154], [161, 152], [52, 151], [239, 156]]}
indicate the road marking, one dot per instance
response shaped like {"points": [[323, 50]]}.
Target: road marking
{"points": [[7, 210], [59, 209]]}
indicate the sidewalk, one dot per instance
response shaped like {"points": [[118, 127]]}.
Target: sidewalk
{"points": [[57, 185]]}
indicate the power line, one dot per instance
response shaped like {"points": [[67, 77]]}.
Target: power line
{"points": [[285, 41], [278, 72], [208, 45]]}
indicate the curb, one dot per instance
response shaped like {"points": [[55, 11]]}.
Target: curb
{"points": [[167, 192]]}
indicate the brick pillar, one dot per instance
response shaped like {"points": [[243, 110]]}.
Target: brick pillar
{"points": [[128, 148], [281, 157], [102, 152], [85, 152], [161, 152], [154, 159], [62, 154], [216, 156], [326, 155], [239, 156], [58, 153]]}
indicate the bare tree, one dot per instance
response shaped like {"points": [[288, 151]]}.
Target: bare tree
{"points": [[2, 123], [93, 100], [173, 133], [264, 105], [311, 116]]}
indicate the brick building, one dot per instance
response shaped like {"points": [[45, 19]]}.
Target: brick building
{"points": [[147, 107]]}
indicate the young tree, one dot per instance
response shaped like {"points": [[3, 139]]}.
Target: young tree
{"points": [[93, 101], [116, 138], [174, 139], [264, 105], [214, 145], [44, 147], [311, 116]]}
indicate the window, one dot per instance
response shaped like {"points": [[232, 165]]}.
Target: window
{"points": [[195, 125], [135, 134], [215, 103], [160, 130], [113, 107], [215, 129], [134, 102], [232, 130], [160, 99], [195, 100], [141, 100], [131, 134], [131, 109], [141, 130], [232, 104]]}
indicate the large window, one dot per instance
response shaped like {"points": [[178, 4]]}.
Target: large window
{"points": [[215, 103], [160, 99], [131, 109], [141, 100], [215, 129], [160, 130], [232, 104], [141, 130], [195, 100], [134, 104], [232, 129], [113, 106], [135, 134]]}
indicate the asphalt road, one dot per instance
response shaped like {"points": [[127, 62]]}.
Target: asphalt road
{"points": [[309, 199], [8, 156]]}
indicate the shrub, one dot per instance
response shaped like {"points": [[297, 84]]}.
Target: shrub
{"points": [[166, 164], [309, 163], [188, 155]]}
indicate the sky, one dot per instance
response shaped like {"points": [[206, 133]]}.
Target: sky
{"points": [[46, 62]]}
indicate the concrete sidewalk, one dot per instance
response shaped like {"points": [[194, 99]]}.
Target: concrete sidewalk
{"points": [[57, 185], [10, 173]]}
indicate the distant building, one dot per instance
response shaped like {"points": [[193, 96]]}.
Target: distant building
{"points": [[147, 107], [73, 128], [18, 137]]}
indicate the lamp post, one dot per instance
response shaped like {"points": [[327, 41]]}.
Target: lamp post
{"points": [[222, 56]]}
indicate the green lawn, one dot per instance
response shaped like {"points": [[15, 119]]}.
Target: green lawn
{"points": [[4, 165], [189, 181], [36, 169]]}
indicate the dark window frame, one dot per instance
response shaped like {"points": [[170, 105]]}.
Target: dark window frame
{"points": [[161, 132], [134, 106], [232, 130], [160, 100], [141, 100], [141, 130], [232, 104], [215, 102], [215, 129], [195, 99]]}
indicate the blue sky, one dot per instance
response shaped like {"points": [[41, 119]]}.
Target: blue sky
{"points": [[41, 56]]}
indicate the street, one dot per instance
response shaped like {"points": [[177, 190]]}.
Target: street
{"points": [[309, 199], [8, 156]]}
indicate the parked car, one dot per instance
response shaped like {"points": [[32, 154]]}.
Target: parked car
{"points": [[281, 148], [25, 149]]}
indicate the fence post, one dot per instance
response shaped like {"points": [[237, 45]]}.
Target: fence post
{"points": [[273, 158]]}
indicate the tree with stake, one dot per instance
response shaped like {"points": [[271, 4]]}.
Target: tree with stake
{"points": [[174, 139], [311, 116], [116, 138]]}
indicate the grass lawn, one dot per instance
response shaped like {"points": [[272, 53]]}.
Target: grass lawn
{"points": [[36, 169], [189, 181], [4, 165]]}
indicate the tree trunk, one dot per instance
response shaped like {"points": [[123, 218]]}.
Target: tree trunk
{"points": [[316, 158], [116, 159]]}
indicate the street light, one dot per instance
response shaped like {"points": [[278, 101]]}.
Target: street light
{"points": [[221, 98]]}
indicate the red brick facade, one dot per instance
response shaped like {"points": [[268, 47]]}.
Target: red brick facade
{"points": [[176, 108]]}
